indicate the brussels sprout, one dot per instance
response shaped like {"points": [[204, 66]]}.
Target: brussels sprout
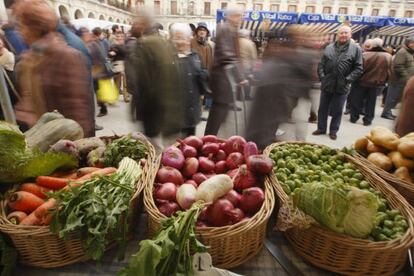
{"points": [[382, 237], [401, 223], [388, 223], [376, 231], [358, 176], [281, 163], [286, 189], [364, 184], [393, 213], [380, 217], [387, 231], [398, 229], [399, 217]]}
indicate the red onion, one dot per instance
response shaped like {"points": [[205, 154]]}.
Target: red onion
{"points": [[199, 178], [209, 175], [188, 151], [209, 139], [200, 224], [221, 167], [210, 148], [244, 179], [218, 213], [260, 164], [166, 191], [250, 149], [220, 156], [168, 174], [194, 142], [234, 197], [169, 208], [203, 214], [173, 157], [234, 144], [234, 160], [192, 182], [252, 200], [222, 146], [190, 167], [236, 215], [206, 165]]}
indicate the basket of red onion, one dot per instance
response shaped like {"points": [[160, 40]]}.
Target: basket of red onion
{"points": [[233, 225]]}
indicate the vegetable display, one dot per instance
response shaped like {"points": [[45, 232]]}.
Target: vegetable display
{"points": [[127, 146], [388, 151], [324, 185], [206, 169]]}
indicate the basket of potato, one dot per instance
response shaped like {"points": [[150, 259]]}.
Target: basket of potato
{"points": [[391, 157]]}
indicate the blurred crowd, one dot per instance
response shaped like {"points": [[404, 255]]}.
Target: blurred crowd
{"points": [[294, 76]]}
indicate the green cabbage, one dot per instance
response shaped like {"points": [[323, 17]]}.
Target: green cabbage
{"points": [[339, 207]]}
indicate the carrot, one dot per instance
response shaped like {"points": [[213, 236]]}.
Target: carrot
{"points": [[35, 189], [30, 220], [83, 171], [43, 209], [50, 182], [62, 174], [100, 172], [24, 201], [16, 217]]}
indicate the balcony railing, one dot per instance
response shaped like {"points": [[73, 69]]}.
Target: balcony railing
{"points": [[120, 5]]}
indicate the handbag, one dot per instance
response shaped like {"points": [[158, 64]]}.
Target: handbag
{"points": [[107, 91]]}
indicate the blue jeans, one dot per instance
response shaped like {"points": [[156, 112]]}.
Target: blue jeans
{"points": [[331, 104]]}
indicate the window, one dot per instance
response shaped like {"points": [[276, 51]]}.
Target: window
{"points": [[408, 14], [207, 8], [343, 10], [292, 8], [174, 10], [157, 7], [392, 13], [359, 11], [310, 9], [375, 12], [241, 6], [258, 7], [274, 7], [191, 8], [223, 6], [327, 10]]}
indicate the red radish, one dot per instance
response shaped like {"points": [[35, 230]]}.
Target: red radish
{"points": [[201, 224], [188, 151], [234, 144], [221, 167], [244, 178], [252, 200], [199, 178], [166, 191], [193, 141], [220, 156], [186, 196], [168, 174], [236, 215], [209, 139], [218, 214], [234, 197], [192, 182], [250, 149], [210, 148], [259, 164], [169, 208], [190, 167], [234, 160], [173, 157], [206, 165]]}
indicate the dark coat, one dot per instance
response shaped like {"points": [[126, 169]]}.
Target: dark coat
{"points": [[226, 52], [405, 122], [340, 67], [193, 78], [402, 65], [377, 68]]}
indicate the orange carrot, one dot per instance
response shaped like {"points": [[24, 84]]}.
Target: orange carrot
{"points": [[50, 182], [62, 174], [35, 189], [24, 201], [87, 170], [43, 209], [30, 220], [16, 217], [104, 171]]}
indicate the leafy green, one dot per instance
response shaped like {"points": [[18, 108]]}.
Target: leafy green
{"points": [[98, 208], [169, 253], [341, 208], [125, 146], [18, 162]]}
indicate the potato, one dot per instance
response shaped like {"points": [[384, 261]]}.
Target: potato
{"points": [[380, 160], [360, 145], [384, 137], [399, 161], [406, 148], [403, 174], [371, 147], [409, 136]]}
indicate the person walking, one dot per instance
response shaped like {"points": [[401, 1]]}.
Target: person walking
{"points": [[248, 56], [117, 54], [402, 70], [226, 52], [405, 122], [7, 62], [377, 69], [340, 66]]}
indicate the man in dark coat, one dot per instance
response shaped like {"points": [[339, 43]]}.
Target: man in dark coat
{"points": [[340, 66], [377, 69], [226, 53]]}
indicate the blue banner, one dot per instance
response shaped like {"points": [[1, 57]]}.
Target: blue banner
{"points": [[405, 22], [286, 17], [336, 18]]}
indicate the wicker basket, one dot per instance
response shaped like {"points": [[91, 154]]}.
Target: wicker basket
{"points": [[37, 246], [231, 245], [405, 188], [346, 255]]}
